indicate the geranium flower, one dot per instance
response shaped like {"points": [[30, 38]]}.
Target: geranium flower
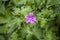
{"points": [[30, 18]]}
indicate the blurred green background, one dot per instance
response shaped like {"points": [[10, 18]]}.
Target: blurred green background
{"points": [[14, 27]]}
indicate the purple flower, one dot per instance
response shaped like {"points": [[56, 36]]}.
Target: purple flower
{"points": [[30, 18]]}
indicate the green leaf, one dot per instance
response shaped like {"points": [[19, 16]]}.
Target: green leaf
{"points": [[3, 29], [26, 10], [43, 22], [16, 11], [50, 35], [58, 1], [50, 3], [2, 8], [37, 33], [19, 2], [14, 36], [2, 38]]}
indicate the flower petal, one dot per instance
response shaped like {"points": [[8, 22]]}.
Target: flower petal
{"points": [[34, 18], [26, 16], [30, 18], [27, 20], [31, 14], [32, 21]]}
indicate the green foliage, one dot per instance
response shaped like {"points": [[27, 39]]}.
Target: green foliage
{"points": [[2, 8], [14, 27]]}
